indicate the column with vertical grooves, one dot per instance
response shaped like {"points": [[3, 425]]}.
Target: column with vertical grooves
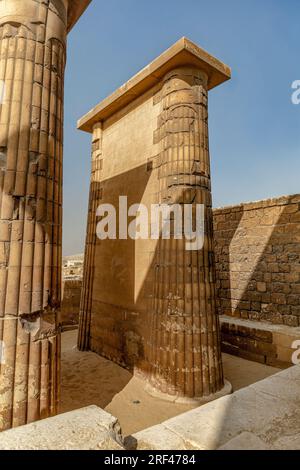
{"points": [[32, 63], [90, 245], [185, 357]]}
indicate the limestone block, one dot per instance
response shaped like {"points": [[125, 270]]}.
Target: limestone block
{"points": [[157, 438], [261, 410], [260, 342], [261, 254], [86, 429], [288, 443], [245, 441], [282, 387]]}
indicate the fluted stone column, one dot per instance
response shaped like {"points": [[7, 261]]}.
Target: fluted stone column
{"points": [[185, 356], [90, 244], [32, 63]]}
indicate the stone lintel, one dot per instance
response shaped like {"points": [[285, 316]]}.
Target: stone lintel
{"points": [[75, 10], [183, 53]]}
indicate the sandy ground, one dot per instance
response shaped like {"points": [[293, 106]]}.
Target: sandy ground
{"points": [[88, 379]]}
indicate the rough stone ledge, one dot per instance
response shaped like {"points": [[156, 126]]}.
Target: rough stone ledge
{"points": [[88, 428], [269, 411], [280, 337], [262, 204], [283, 329]]}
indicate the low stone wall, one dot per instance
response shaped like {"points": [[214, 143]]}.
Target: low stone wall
{"points": [[71, 292], [265, 415], [86, 429], [258, 341], [257, 248]]}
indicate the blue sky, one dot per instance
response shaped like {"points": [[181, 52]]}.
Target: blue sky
{"points": [[254, 127]]}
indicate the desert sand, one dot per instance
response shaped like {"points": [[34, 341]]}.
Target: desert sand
{"points": [[88, 379]]}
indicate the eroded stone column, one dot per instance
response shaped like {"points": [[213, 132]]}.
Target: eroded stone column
{"points": [[32, 64], [184, 345], [90, 244]]}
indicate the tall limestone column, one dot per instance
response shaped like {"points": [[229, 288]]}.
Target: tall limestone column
{"points": [[32, 63], [185, 356]]}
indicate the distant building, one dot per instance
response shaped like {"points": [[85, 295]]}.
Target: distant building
{"points": [[73, 267]]}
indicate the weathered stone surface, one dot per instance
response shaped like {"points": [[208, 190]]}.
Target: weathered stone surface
{"points": [[258, 341], [70, 304], [246, 441], [291, 442], [268, 410], [257, 249], [86, 429], [154, 439]]}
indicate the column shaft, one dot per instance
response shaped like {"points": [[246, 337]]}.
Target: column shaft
{"points": [[90, 245], [32, 63], [184, 343]]}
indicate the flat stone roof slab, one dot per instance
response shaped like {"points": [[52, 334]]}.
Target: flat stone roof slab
{"points": [[75, 10], [183, 53]]}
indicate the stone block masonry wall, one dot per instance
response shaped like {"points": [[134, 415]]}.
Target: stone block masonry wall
{"points": [[257, 248], [70, 304], [259, 341]]}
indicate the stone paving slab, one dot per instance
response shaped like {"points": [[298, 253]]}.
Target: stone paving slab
{"points": [[89, 428], [246, 440], [268, 410]]}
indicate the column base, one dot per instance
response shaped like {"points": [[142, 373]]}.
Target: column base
{"points": [[226, 390]]}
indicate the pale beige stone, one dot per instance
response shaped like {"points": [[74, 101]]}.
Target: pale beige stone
{"points": [[268, 410], [156, 438], [266, 337], [291, 442], [86, 429], [246, 441]]}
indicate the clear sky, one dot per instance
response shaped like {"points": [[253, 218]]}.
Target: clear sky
{"points": [[254, 127]]}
